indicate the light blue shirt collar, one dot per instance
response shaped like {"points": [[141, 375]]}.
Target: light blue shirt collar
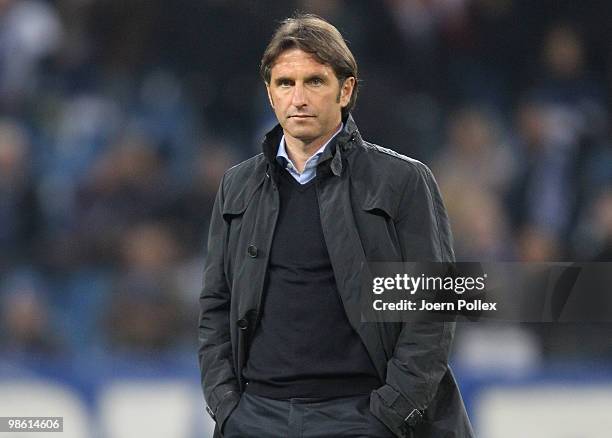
{"points": [[310, 169]]}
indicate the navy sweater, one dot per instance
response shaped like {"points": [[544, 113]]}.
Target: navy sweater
{"points": [[304, 345]]}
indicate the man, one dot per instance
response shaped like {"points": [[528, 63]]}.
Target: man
{"points": [[283, 351]]}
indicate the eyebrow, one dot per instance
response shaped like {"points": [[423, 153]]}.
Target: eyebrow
{"points": [[282, 79], [316, 76]]}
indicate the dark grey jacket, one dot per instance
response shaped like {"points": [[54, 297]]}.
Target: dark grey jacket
{"points": [[375, 205]]}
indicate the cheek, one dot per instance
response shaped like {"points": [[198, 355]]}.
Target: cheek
{"points": [[280, 101]]}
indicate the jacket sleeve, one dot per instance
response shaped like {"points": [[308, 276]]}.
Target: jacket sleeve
{"points": [[219, 381], [420, 358]]}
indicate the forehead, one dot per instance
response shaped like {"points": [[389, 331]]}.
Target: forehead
{"points": [[296, 61]]}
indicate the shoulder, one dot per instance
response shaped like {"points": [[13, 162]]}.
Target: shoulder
{"points": [[240, 183], [385, 179], [244, 172], [246, 167], [389, 164]]}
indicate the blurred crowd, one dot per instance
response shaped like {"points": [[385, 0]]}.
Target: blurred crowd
{"points": [[118, 119]]}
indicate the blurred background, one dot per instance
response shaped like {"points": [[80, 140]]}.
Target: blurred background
{"points": [[118, 119]]}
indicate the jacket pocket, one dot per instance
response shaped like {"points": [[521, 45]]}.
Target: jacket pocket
{"points": [[377, 230], [233, 209], [380, 207], [233, 215], [237, 201]]}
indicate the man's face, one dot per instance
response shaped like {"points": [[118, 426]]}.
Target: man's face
{"points": [[306, 96]]}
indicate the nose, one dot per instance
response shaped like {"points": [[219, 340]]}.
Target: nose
{"points": [[298, 99]]}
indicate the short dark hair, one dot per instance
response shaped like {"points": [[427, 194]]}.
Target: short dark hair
{"points": [[313, 35]]}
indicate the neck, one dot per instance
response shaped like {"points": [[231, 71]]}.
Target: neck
{"points": [[299, 151]]}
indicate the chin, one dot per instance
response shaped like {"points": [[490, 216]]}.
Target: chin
{"points": [[304, 135]]}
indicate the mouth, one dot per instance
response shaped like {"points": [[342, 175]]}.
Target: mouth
{"points": [[301, 116]]}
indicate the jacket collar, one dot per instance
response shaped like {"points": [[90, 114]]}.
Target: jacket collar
{"points": [[343, 143]]}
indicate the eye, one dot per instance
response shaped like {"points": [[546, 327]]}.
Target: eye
{"points": [[316, 82], [284, 83]]}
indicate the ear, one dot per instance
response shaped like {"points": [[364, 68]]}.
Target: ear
{"points": [[269, 95], [347, 91]]}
